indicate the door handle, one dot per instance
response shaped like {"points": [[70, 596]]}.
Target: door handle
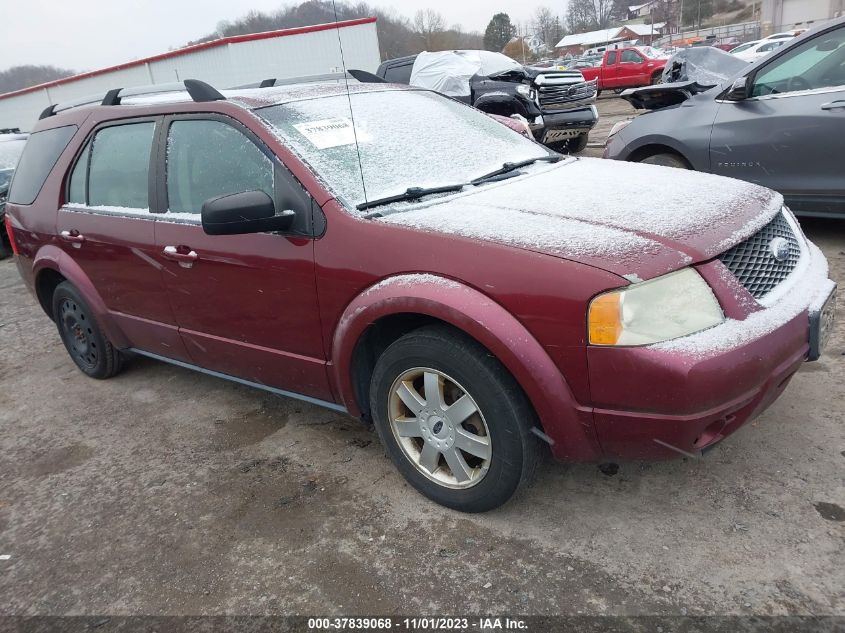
{"points": [[74, 237], [186, 257], [833, 105]]}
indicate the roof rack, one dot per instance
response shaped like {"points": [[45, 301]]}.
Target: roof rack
{"points": [[199, 91]]}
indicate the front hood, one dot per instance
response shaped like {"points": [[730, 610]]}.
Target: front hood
{"points": [[626, 218]]}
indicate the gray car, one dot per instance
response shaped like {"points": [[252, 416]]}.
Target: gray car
{"points": [[779, 123]]}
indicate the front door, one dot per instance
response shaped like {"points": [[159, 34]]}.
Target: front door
{"points": [[246, 305], [107, 229], [788, 134], [632, 68]]}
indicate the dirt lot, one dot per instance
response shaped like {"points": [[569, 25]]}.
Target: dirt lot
{"points": [[162, 491]]}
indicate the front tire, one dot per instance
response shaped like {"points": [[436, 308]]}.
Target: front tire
{"points": [[86, 343], [453, 420], [666, 160]]}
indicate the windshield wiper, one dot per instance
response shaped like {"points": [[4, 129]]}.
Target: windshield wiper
{"points": [[412, 193], [508, 167]]}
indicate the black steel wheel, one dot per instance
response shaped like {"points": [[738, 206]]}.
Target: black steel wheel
{"points": [[81, 334]]}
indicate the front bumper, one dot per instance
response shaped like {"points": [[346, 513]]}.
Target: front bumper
{"points": [[679, 398], [582, 119]]}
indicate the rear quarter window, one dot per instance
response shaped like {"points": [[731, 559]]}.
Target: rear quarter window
{"points": [[39, 156]]}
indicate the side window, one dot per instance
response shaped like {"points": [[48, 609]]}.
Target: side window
{"points": [[631, 57], [817, 63], [120, 166], [399, 74], [206, 159], [611, 58], [78, 186], [40, 154]]}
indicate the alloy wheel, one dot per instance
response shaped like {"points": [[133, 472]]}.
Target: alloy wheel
{"points": [[440, 428]]}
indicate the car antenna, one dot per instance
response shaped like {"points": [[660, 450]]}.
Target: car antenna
{"points": [[201, 91], [112, 97], [349, 98]]}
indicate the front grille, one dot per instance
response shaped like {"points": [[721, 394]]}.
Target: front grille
{"points": [[552, 97], [753, 262]]}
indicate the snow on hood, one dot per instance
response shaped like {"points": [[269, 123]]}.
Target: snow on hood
{"points": [[627, 218]]}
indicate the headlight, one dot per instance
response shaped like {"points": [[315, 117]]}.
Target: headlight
{"points": [[523, 90], [662, 309], [619, 125]]}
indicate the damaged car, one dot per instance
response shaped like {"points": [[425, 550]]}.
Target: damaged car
{"points": [[465, 297], [558, 105], [777, 122]]}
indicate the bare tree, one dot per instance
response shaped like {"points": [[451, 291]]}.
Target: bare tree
{"points": [[586, 15], [428, 24], [547, 26]]}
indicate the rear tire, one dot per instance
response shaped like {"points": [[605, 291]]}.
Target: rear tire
{"points": [[5, 249], [465, 439], [86, 343], [666, 160]]}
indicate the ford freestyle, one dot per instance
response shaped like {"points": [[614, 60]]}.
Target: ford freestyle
{"points": [[476, 296]]}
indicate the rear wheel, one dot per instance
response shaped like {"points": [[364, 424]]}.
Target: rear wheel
{"points": [[666, 160], [81, 334], [656, 78], [5, 248], [453, 420]]}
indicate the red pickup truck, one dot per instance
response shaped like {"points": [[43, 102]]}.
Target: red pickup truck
{"points": [[626, 68]]}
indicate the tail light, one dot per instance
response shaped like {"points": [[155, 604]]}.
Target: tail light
{"points": [[11, 234]]}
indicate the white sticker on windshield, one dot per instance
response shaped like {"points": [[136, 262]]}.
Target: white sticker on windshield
{"points": [[328, 132]]}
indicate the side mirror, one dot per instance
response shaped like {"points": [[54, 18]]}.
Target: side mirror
{"points": [[739, 90], [246, 212]]}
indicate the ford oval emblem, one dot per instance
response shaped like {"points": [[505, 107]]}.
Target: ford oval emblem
{"points": [[779, 248]]}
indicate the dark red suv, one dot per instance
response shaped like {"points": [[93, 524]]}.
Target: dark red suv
{"points": [[424, 266]]}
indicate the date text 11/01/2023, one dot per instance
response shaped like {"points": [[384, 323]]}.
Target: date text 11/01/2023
{"points": [[419, 624]]}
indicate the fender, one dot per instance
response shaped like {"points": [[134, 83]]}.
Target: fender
{"points": [[569, 425], [500, 102], [54, 258]]}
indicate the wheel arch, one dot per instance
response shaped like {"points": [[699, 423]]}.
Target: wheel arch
{"points": [[52, 266], [652, 149], [390, 309]]}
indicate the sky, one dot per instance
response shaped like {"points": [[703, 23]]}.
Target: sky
{"points": [[90, 34]]}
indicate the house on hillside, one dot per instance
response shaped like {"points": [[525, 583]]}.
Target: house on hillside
{"points": [[642, 34]]}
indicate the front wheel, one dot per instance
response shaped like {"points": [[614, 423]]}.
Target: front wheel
{"points": [[453, 420], [666, 160]]}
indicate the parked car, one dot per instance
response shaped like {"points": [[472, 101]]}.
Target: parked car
{"points": [[557, 104], [476, 296], [11, 146], [756, 50], [786, 35], [627, 68], [777, 122]]}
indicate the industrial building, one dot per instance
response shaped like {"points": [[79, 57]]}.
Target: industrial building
{"points": [[224, 63]]}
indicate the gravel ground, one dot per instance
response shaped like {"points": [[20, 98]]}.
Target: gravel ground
{"points": [[163, 491]]}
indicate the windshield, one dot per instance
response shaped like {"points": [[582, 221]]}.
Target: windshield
{"points": [[398, 132], [653, 53], [5, 177], [10, 153]]}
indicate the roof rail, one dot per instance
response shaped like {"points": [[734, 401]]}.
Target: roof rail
{"points": [[199, 91], [365, 77]]}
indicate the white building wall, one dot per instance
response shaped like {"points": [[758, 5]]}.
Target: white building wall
{"points": [[224, 66]]}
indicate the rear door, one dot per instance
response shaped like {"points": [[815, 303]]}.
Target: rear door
{"points": [[788, 134], [107, 228], [246, 305]]}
